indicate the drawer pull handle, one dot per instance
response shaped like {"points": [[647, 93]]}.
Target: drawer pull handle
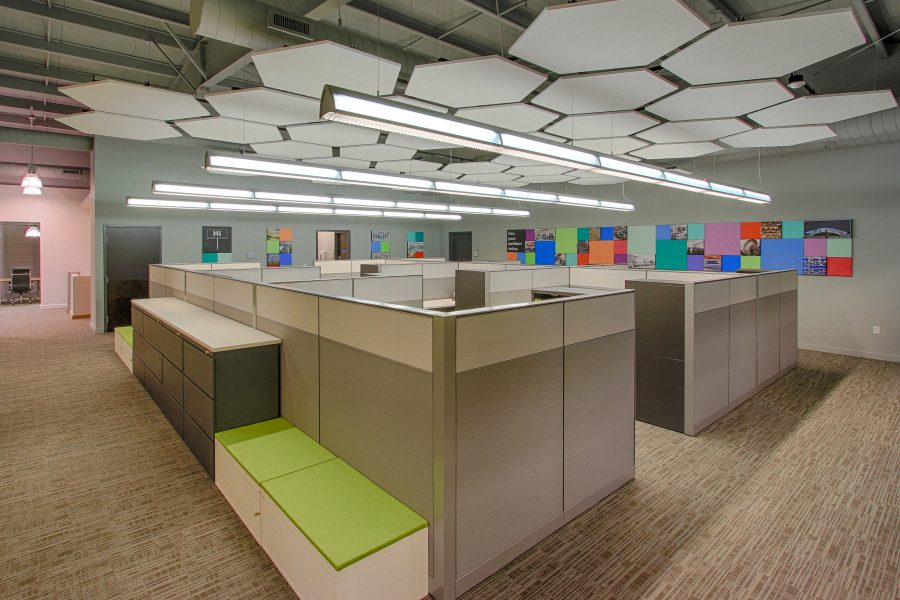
{"points": [[256, 514]]}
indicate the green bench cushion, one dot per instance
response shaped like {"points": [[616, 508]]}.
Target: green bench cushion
{"points": [[272, 448], [127, 334], [343, 514]]}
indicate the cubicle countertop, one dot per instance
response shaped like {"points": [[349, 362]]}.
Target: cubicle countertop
{"points": [[202, 327], [571, 290], [582, 293]]}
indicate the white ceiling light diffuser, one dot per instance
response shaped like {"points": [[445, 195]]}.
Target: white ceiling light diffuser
{"points": [[156, 203], [242, 207], [178, 189], [375, 113]]}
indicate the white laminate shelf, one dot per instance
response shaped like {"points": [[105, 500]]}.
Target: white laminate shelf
{"points": [[202, 327]]}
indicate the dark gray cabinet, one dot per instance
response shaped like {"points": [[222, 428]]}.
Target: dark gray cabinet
{"points": [[201, 391]]}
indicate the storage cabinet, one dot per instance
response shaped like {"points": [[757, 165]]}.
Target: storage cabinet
{"points": [[206, 373]]}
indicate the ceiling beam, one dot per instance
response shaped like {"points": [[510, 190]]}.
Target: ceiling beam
{"points": [[865, 19], [423, 29], [30, 85], [37, 106], [56, 12], [43, 71], [37, 125], [13, 135], [16, 38], [146, 9], [489, 9], [726, 10]]}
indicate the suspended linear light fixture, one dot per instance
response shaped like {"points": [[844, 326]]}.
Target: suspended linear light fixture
{"points": [[32, 232], [354, 108]]}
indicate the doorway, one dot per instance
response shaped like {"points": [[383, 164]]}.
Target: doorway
{"points": [[20, 255], [332, 245], [128, 254], [460, 246]]}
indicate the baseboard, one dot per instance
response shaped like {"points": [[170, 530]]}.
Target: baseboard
{"points": [[54, 306], [851, 352]]}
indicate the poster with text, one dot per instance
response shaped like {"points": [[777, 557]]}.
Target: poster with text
{"points": [[216, 244]]}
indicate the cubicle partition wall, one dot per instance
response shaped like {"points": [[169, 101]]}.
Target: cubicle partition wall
{"points": [[497, 425], [476, 288]]}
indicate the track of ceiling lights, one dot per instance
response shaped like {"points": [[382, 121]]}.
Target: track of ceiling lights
{"points": [[238, 164], [362, 110]]}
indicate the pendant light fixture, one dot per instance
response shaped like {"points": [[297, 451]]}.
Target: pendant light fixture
{"points": [[31, 183], [32, 232]]}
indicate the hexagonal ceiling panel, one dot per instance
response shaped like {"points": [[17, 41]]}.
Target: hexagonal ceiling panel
{"points": [[378, 152], [408, 166], [685, 150], [490, 177], [604, 92], [539, 170], [606, 34], [473, 81], [779, 136], [602, 125], [596, 180], [616, 145], [766, 48], [121, 126], [513, 161], [693, 131], [408, 141], [438, 175], [418, 103], [292, 149], [720, 100], [341, 162], [305, 69], [230, 130], [135, 100], [518, 117], [544, 179], [829, 108], [473, 168], [333, 134], [263, 105]]}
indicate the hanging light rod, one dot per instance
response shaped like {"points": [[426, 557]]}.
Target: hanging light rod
{"points": [[362, 110], [241, 164]]}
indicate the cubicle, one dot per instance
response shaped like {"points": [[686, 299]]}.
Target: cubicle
{"points": [[498, 425]]}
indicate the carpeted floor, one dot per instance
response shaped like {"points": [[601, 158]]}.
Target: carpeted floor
{"points": [[794, 495]]}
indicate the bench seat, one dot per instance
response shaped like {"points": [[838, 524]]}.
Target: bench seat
{"points": [[124, 344], [332, 533]]}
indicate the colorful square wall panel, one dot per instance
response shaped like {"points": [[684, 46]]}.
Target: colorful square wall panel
{"points": [[730, 263], [602, 253], [814, 265], [839, 247], [827, 229], [815, 247], [512, 256], [584, 259], [695, 231], [545, 252], [791, 230], [287, 259], [584, 234], [838, 266], [606, 233], [211, 257], [620, 259], [712, 262], [671, 254], [530, 258], [385, 246], [583, 247], [723, 238], [521, 257], [750, 262], [782, 254], [750, 247], [567, 240], [529, 235], [620, 246], [620, 232], [571, 260], [663, 232], [751, 230], [694, 262], [678, 231], [770, 230], [641, 239], [375, 247]]}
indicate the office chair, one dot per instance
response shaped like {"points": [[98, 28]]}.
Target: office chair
{"points": [[20, 283]]}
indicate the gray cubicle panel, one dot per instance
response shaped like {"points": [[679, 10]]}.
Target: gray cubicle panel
{"points": [[471, 289], [280, 274], [335, 287], [199, 289], [405, 290], [603, 277], [234, 299], [438, 280], [254, 275]]}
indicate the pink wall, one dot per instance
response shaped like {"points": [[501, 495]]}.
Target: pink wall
{"points": [[65, 220]]}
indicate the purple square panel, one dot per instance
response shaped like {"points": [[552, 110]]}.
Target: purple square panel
{"points": [[722, 238], [815, 247], [529, 235], [695, 262]]}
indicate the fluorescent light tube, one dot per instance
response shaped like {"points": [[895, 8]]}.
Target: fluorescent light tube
{"points": [[472, 190], [533, 196], [242, 207], [624, 168], [421, 206], [155, 203], [607, 204], [404, 215], [580, 157], [279, 197], [765, 198], [475, 210], [357, 213], [511, 213], [726, 189], [311, 210], [579, 201], [363, 202], [347, 107], [686, 181], [235, 164], [390, 180], [443, 217], [178, 189]]}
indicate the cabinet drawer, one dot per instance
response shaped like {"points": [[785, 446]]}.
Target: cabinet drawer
{"points": [[199, 368], [200, 445], [173, 380], [167, 404], [163, 339], [200, 407], [139, 370], [148, 355], [137, 320]]}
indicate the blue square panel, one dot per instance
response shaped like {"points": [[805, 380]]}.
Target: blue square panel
{"points": [[731, 262], [663, 232], [545, 252], [781, 254], [286, 259], [521, 257], [376, 247], [606, 233]]}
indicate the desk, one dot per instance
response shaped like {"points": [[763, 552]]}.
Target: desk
{"points": [[4, 289]]}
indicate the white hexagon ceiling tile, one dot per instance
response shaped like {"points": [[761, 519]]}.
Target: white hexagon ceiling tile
{"points": [[377, 152], [263, 105], [473, 82], [292, 149], [825, 108], [603, 35], [720, 100], [681, 150], [475, 167], [693, 131], [408, 166], [121, 126], [544, 179], [342, 162], [235, 131], [766, 48], [517, 117], [333, 134], [408, 141], [766, 137], [135, 100], [602, 125], [615, 145], [604, 92]]}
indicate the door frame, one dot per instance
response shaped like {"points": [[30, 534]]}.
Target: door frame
{"points": [[105, 324], [450, 235], [336, 253]]}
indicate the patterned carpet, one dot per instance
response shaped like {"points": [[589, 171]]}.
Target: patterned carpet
{"points": [[794, 495]]}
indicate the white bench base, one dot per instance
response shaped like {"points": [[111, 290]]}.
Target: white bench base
{"points": [[398, 572], [124, 351]]}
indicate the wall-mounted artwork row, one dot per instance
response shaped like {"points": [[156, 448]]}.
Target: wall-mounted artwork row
{"points": [[809, 247], [216, 244], [279, 247], [415, 244], [381, 244]]}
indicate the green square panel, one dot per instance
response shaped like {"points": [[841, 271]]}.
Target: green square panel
{"points": [[695, 231], [410, 236], [750, 262], [210, 257], [420, 236], [642, 240], [529, 258], [571, 260], [839, 248], [584, 234], [671, 254], [271, 246], [792, 230], [385, 246], [567, 240], [224, 257]]}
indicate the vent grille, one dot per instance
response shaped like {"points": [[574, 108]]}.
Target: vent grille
{"points": [[290, 25]]}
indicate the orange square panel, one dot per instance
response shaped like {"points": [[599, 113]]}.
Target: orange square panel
{"points": [[751, 230], [584, 259], [601, 252]]}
